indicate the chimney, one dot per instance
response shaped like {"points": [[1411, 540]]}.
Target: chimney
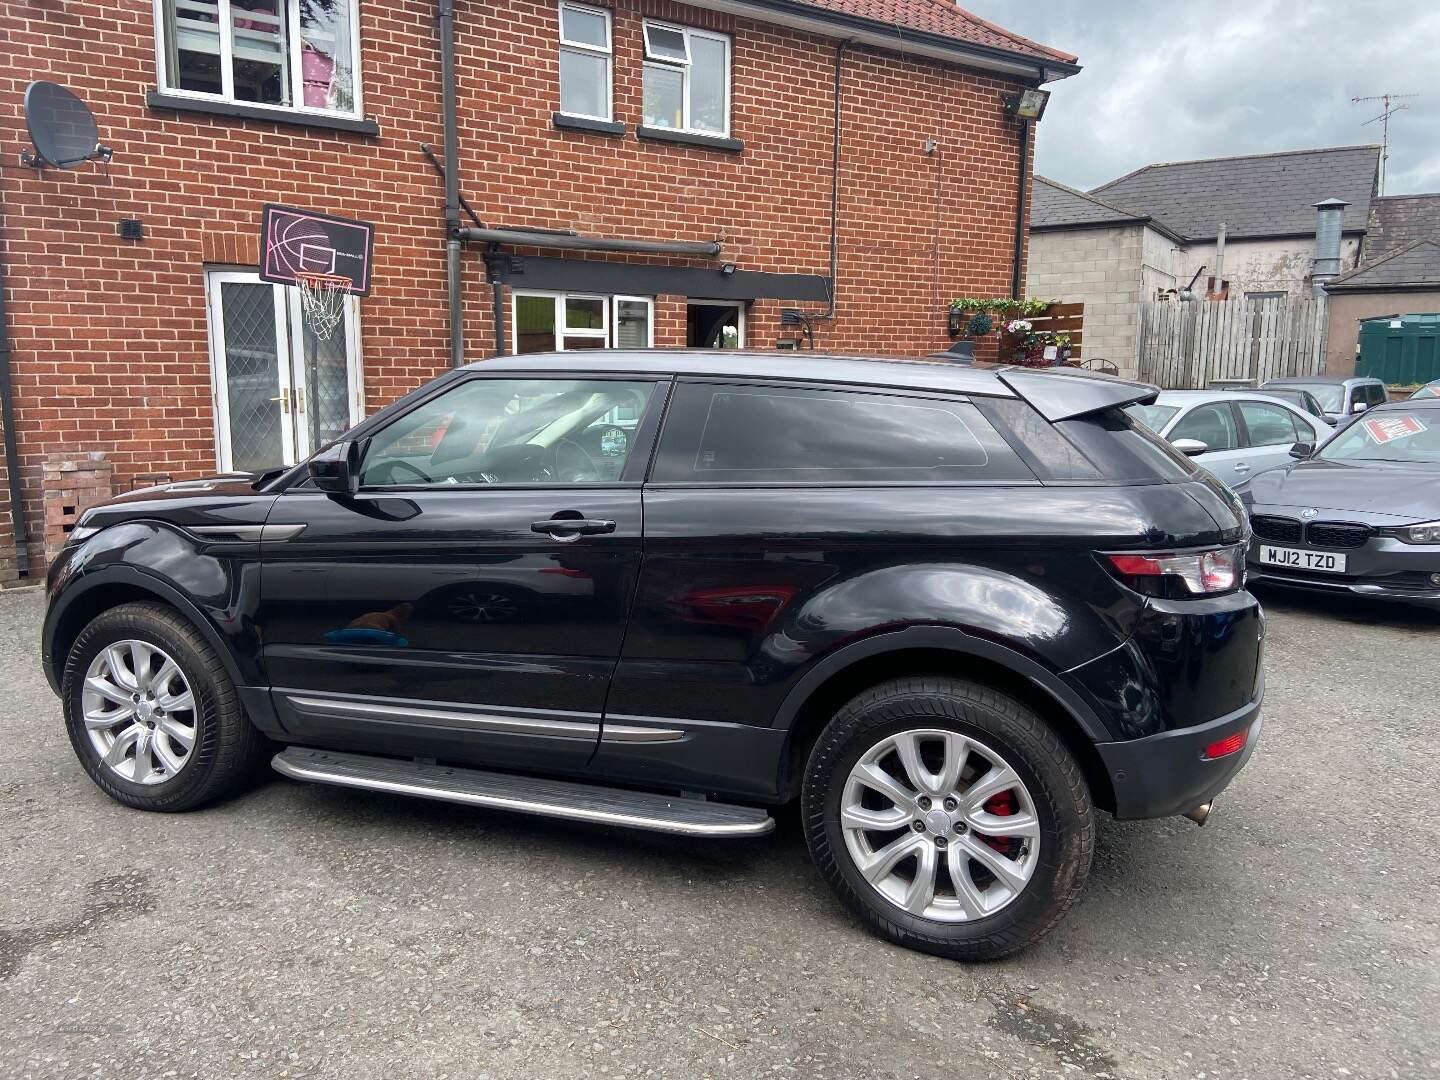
{"points": [[1329, 219]]}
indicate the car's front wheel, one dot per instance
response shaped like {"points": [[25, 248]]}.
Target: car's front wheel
{"points": [[949, 817], [152, 713]]}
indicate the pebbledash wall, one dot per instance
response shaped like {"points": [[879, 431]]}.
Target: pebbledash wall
{"points": [[109, 336]]}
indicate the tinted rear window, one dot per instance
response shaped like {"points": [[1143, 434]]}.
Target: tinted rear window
{"points": [[753, 433], [1125, 449]]}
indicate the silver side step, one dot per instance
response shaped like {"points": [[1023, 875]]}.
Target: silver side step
{"points": [[524, 794]]}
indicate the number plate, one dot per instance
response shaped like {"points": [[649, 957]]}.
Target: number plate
{"points": [[1302, 560]]}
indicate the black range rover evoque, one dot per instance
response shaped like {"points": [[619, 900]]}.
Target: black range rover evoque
{"points": [[952, 611]]}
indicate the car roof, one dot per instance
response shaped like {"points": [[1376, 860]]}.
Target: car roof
{"points": [[927, 374], [1312, 380], [1195, 397], [1407, 403]]}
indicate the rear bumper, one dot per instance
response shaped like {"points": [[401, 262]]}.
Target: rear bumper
{"points": [[1166, 774]]}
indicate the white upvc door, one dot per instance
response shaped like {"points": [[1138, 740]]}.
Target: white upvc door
{"points": [[279, 391]]}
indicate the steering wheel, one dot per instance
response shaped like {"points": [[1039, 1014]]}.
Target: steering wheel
{"points": [[581, 471], [400, 463]]}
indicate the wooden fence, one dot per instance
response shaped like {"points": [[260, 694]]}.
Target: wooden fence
{"points": [[1188, 345], [1066, 319]]}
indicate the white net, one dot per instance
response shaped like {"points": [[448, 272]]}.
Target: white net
{"points": [[322, 299]]}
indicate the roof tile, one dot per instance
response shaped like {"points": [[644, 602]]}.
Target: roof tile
{"points": [[945, 19]]}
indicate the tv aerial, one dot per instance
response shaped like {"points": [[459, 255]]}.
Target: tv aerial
{"points": [[62, 129]]}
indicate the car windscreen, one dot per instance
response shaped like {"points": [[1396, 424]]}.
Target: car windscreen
{"points": [[1428, 390], [1398, 435], [1154, 417], [1331, 396]]}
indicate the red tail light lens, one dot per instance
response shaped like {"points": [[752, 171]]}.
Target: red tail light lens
{"points": [[1231, 744], [1172, 574]]}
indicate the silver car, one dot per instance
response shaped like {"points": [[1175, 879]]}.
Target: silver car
{"points": [[1234, 434], [1359, 515]]}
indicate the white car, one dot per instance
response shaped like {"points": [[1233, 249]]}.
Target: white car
{"points": [[1234, 434]]}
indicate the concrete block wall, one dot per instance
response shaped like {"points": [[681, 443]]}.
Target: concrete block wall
{"points": [[1099, 268]]}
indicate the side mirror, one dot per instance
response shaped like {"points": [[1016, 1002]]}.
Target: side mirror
{"points": [[1191, 447], [1302, 450], [1359, 407], [1330, 419], [336, 469]]}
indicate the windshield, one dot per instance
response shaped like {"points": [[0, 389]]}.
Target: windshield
{"points": [[1398, 435], [1428, 390], [1330, 395], [1154, 417]]}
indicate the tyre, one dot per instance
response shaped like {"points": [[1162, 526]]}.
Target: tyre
{"points": [[152, 713], [950, 818]]}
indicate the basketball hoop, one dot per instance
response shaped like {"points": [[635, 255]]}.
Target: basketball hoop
{"points": [[322, 299]]}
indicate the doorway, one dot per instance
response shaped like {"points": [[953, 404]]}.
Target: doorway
{"points": [[714, 324], [280, 391]]}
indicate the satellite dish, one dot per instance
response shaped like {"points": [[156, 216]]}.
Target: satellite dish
{"points": [[62, 128]]}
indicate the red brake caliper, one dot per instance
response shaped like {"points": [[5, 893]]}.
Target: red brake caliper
{"points": [[1003, 805]]}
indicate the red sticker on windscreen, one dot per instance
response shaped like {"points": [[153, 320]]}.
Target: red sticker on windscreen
{"points": [[1384, 429]]}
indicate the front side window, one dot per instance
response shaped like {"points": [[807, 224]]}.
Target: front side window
{"points": [[1270, 425], [722, 434], [585, 57], [291, 54], [687, 79], [511, 431], [1214, 425]]}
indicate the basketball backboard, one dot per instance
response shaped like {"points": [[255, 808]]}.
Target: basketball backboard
{"points": [[305, 242]]}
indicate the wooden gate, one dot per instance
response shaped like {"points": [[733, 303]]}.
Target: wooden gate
{"points": [[1188, 345]]}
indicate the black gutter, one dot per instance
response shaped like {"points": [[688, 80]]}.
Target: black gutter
{"points": [[1015, 282], [12, 453], [446, 13], [526, 238]]}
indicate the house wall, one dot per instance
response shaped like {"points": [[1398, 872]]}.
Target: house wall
{"points": [[1101, 268], [1281, 265], [1348, 309], [109, 336], [1159, 263]]}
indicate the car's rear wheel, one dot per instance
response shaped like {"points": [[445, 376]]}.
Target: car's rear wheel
{"points": [[152, 713], [949, 817]]}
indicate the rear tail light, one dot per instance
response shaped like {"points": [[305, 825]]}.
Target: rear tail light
{"points": [[1179, 574], [1231, 744]]}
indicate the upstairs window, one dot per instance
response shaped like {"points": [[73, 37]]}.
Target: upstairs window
{"points": [[687, 80], [289, 54], [585, 57]]}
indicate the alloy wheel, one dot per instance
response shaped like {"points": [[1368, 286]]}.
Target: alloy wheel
{"points": [[940, 825], [139, 712]]}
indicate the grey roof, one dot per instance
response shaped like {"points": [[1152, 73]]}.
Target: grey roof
{"points": [[1397, 220], [1415, 264], [1258, 195], [1053, 205]]}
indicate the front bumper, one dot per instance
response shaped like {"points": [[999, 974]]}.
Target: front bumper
{"points": [[1166, 774], [1383, 568]]}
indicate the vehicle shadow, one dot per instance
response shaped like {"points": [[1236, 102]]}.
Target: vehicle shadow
{"points": [[1356, 610]]}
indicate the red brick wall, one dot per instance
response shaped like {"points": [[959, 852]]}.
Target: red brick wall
{"points": [[109, 336]]}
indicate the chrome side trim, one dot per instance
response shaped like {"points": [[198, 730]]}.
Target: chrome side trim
{"points": [[244, 534], [629, 733], [405, 714], [278, 534]]}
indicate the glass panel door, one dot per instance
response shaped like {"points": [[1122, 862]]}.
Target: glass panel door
{"points": [[325, 376], [252, 385]]}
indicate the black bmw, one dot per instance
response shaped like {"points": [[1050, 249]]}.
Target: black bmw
{"points": [[1360, 514]]}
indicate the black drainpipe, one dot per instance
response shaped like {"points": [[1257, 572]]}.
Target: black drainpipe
{"points": [[829, 312], [12, 454], [452, 182], [1015, 281]]}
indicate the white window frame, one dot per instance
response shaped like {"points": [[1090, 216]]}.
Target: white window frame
{"points": [[566, 45], [294, 431], [684, 67], [606, 335], [226, 29], [739, 305], [648, 301]]}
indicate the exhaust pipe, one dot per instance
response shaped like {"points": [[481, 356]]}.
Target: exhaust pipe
{"points": [[1199, 814]]}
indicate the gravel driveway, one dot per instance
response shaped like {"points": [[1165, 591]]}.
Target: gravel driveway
{"points": [[304, 931]]}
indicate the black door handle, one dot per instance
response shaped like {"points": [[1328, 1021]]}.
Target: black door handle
{"points": [[572, 527]]}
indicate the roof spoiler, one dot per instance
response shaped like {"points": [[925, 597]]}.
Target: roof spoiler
{"points": [[1061, 393]]}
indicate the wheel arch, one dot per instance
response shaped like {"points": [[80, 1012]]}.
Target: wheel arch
{"points": [[97, 592], [930, 650]]}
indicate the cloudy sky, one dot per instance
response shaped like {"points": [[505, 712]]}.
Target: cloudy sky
{"points": [[1170, 82]]}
